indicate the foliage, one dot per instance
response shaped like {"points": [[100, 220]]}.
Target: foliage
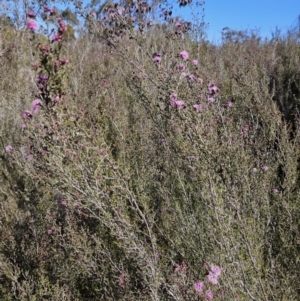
{"points": [[151, 166]]}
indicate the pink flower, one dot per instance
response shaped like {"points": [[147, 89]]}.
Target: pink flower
{"points": [[42, 79], [8, 148], [35, 105], [183, 74], [210, 99], [209, 295], [276, 191], [195, 62], [216, 270], [212, 278], [23, 126], [200, 80], [56, 99], [265, 168], [157, 59], [49, 231], [26, 114], [191, 77], [184, 55], [254, 170], [181, 67], [178, 24], [32, 24], [197, 107], [198, 286], [178, 103], [62, 25], [31, 14], [64, 203], [212, 88], [229, 104], [64, 61], [56, 37]]}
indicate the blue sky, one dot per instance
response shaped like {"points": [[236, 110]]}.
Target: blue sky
{"points": [[248, 14], [263, 15]]}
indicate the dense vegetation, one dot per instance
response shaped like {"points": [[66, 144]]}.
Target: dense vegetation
{"points": [[142, 163]]}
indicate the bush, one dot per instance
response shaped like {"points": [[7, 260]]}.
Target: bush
{"points": [[151, 167]]}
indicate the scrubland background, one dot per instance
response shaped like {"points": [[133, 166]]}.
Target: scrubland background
{"points": [[114, 193]]}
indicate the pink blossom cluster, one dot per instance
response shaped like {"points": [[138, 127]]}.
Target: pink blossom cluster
{"points": [[27, 114], [175, 102], [212, 89], [57, 37], [180, 103], [199, 286], [209, 295], [214, 273], [8, 148], [181, 67], [62, 25], [31, 24], [192, 77], [156, 58], [189, 77], [42, 79], [35, 105], [184, 55], [198, 107]]}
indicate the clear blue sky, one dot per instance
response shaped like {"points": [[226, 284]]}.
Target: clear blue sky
{"points": [[248, 14]]}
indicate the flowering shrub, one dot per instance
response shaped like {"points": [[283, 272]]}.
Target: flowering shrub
{"points": [[148, 166]]}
